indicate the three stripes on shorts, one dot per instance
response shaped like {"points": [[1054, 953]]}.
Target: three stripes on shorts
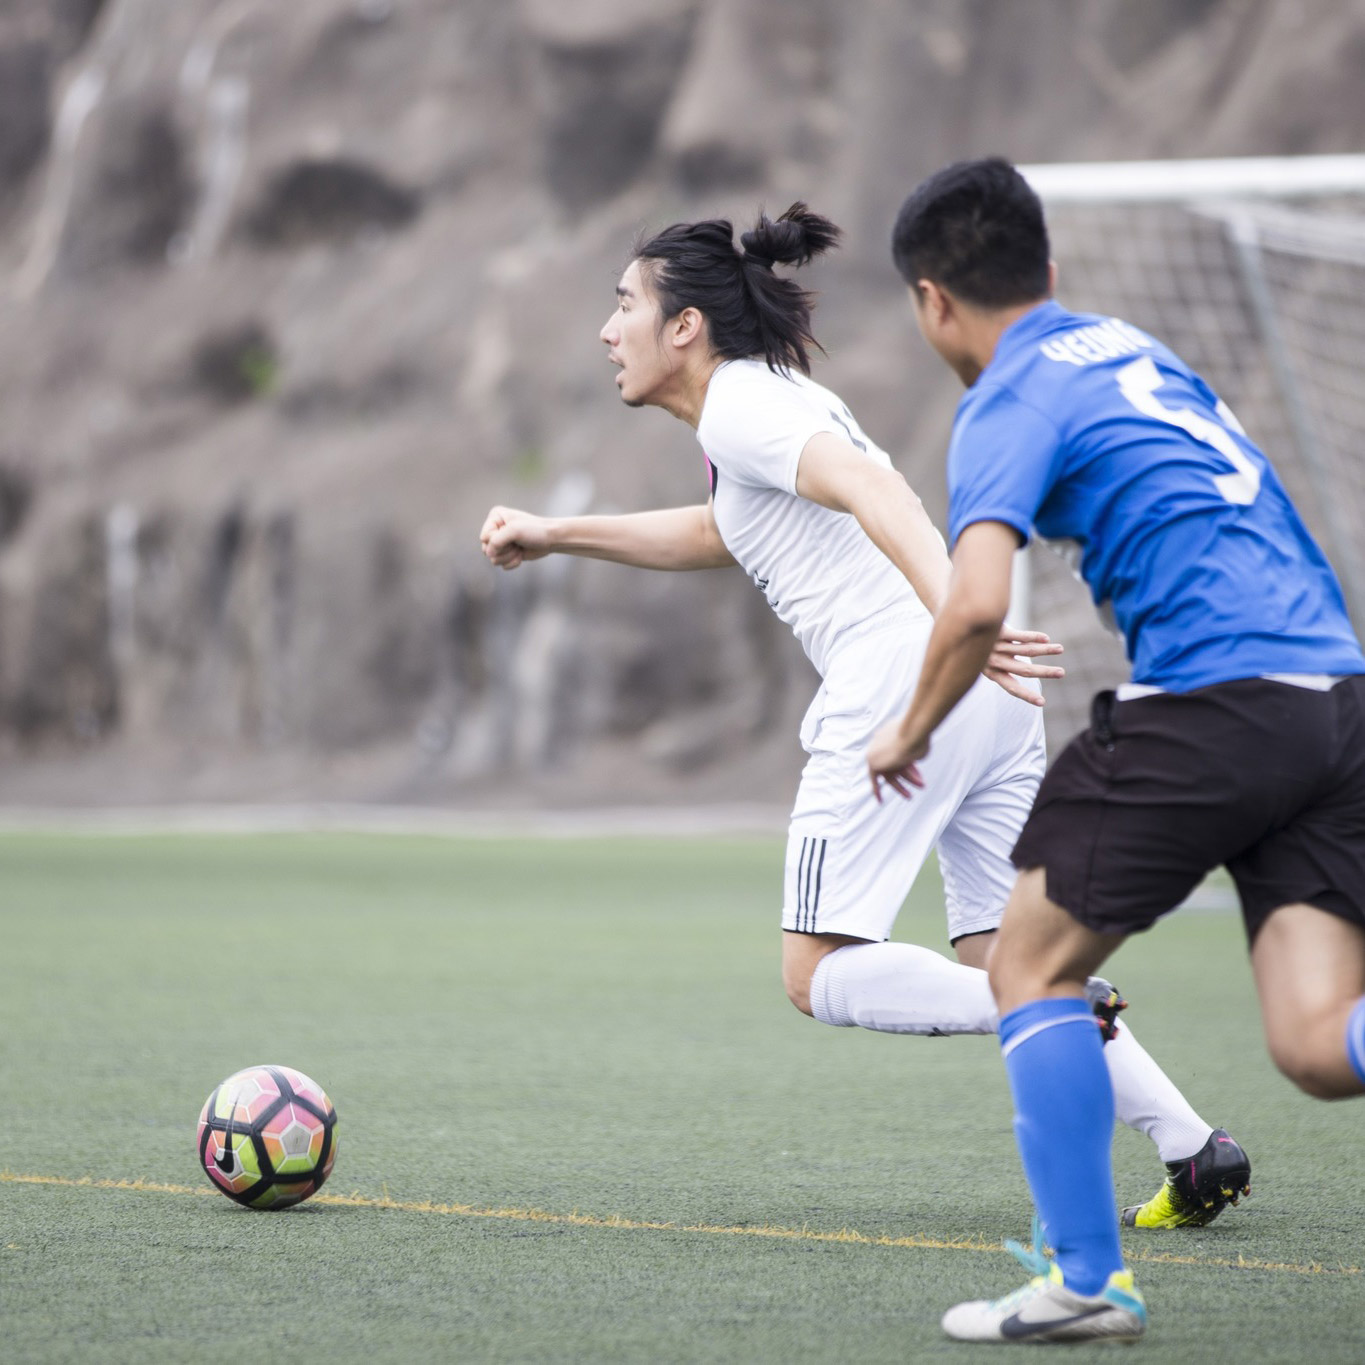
{"points": [[809, 872]]}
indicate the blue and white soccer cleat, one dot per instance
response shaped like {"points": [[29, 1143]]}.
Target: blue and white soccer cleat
{"points": [[1046, 1310]]}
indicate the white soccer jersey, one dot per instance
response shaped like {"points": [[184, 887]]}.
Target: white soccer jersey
{"points": [[817, 568]]}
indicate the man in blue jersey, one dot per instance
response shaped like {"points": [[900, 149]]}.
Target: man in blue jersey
{"points": [[1239, 741]]}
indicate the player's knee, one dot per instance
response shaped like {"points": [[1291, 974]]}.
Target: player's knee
{"points": [[1316, 1067], [1014, 980], [802, 957], [1000, 975], [796, 982], [1310, 1076]]}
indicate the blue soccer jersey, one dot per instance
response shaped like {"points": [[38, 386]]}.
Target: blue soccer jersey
{"points": [[1084, 430]]}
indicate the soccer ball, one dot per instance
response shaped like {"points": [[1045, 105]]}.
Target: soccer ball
{"points": [[267, 1137]]}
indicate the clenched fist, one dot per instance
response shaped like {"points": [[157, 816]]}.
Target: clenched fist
{"points": [[510, 537]]}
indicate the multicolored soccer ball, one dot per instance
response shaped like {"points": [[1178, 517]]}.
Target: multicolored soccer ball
{"points": [[267, 1137]]}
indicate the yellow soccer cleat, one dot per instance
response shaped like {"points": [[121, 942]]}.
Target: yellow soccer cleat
{"points": [[1197, 1189]]}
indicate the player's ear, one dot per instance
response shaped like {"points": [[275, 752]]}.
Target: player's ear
{"points": [[686, 327], [1051, 278], [931, 302]]}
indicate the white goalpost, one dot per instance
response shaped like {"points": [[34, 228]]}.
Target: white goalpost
{"points": [[1253, 270]]}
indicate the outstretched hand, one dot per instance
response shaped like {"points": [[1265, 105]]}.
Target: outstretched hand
{"points": [[510, 537], [1010, 662]]}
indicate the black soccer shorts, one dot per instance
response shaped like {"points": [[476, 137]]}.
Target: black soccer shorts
{"points": [[1263, 777]]}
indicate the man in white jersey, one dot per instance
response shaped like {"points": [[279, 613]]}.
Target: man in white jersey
{"points": [[845, 554]]}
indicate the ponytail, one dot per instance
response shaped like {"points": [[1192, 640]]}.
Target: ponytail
{"points": [[750, 311]]}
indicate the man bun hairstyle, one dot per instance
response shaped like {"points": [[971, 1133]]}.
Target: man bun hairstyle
{"points": [[750, 310], [796, 237], [977, 229]]}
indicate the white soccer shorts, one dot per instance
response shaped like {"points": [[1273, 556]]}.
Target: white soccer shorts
{"points": [[851, 861]]}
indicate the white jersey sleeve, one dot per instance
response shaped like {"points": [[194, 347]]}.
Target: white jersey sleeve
{"points": [[756, 431]]}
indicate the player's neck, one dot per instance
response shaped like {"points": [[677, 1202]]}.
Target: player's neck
{"points": [[981, 333], [685, 394]]}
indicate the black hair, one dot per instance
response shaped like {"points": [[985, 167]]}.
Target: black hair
{"points": [[977, 229], [749, 310]]}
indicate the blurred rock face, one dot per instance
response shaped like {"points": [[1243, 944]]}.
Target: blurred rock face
{"points": [[294, 292]]}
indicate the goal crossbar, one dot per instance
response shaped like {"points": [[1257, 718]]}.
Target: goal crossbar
{"points": [[1157, 182]]}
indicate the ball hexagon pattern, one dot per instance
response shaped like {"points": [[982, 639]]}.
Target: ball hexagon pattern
{"points": [[245, 1097], [267, 1137], [293, 1140]]}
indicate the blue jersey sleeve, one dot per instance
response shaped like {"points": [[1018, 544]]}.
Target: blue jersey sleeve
{"points": [[1001, 462]]}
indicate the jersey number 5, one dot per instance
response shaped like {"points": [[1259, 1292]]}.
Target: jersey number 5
{"points": [[1139, 382]]}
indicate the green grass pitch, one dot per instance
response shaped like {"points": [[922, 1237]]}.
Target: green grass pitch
{"points": [[550, 1029]]}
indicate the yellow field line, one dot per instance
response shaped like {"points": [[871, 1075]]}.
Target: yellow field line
{"points": [[591, 1220]]}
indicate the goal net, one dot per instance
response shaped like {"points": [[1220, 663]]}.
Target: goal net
{"points": [[1253, 271]]}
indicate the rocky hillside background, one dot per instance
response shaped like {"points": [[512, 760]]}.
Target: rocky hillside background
{"points": [[290, 293]]}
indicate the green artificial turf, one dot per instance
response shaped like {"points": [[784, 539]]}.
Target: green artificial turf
{"points": [[589, 1027]]}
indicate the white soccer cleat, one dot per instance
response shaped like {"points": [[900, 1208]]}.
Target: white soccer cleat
{"points": [[1046, 1310]]}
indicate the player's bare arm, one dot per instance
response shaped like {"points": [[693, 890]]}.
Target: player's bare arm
{"points": [[673, 538], [965, 633], [837, 475]]}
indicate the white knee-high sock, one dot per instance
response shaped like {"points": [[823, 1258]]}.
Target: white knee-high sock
{"points": [[903, 988], [1145, 1098]]}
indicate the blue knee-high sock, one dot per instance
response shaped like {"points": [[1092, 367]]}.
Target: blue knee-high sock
{"points": [[1355, 1039], [1064, 1125]]}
